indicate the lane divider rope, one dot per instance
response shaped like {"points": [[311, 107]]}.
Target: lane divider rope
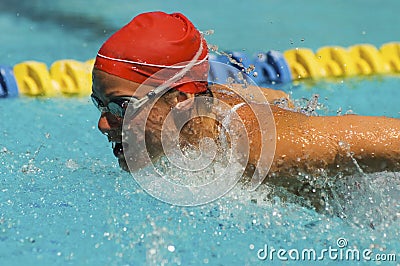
{"points": [[72, 78]]}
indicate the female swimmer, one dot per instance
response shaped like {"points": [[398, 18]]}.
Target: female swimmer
{"points": [[155, 41]]}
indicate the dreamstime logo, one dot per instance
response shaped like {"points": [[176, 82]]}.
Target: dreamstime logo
{"points": [[339, 253], [216, 162]]}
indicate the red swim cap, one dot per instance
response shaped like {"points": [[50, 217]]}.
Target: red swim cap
{"points": [[157, 41]]}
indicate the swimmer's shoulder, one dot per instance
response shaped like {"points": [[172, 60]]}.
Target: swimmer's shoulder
{"points": [[258, 94]]}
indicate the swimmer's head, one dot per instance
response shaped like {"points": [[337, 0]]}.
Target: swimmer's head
{"points": [[153, 42], [129, 64]]}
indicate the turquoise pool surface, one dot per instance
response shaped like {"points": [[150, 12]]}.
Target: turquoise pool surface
{"points": [[64, 200]]}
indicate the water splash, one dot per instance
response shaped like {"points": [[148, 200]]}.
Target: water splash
{"points": [[207, 32], [30, 168], [311, 106], [248, 70]]}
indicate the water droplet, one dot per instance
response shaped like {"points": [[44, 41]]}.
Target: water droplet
{"points": [[208, 32], [71, 164], [152, 251]]}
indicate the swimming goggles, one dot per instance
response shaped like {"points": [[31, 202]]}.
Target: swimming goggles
{"points": [[118, 106]]}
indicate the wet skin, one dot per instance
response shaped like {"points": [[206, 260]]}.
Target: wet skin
{"points": [[304, 144]]}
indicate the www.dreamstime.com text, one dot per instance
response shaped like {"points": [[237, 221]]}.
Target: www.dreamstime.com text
{"points": [[340, 252]]}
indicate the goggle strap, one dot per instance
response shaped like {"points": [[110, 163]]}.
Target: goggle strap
{"points": [[180, 74], [103, 109], [138, 103]]}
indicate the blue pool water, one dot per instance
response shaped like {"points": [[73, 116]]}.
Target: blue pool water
{"points": [[64, 200]]}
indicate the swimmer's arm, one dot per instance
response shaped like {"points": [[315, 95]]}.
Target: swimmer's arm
{"points": [[336, 143], [252, 92], [277, 97], [274, 96]]}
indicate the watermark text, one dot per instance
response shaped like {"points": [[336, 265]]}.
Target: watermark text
{"points": [[340, 252]]}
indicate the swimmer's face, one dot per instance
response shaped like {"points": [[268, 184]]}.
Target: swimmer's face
{"points": [[107, 89]]}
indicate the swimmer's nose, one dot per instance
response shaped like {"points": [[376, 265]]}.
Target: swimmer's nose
{"points": [[110, 125]]}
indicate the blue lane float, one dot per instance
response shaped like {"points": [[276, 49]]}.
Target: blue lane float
{"points": [[8, 84], [264, 73], [265, 69], [279, 63], [219, 69], [258, 69]]}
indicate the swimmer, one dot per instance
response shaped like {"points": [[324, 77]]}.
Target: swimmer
{"points": [[304, 144]]}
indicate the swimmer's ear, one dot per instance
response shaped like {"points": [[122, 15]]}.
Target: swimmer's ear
{"points": [[185, 101]]}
